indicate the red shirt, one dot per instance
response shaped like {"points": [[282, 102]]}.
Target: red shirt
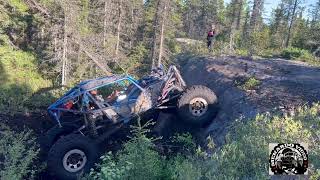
{"points": [[210, 33]]}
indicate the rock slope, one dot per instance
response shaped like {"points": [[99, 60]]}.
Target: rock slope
{"points": [[283, 86]]}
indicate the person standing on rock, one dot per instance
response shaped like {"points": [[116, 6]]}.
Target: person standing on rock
{"points": [[210, 38]]}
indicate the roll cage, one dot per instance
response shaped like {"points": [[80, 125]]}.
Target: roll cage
{"points": [[164, 86], [81, 96]]}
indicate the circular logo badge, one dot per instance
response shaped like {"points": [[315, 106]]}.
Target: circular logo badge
{"points": [[289, 159]]}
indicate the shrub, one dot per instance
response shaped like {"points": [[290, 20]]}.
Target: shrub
{"points": [[110, 168], [296, 53], [301, 55], [174, 47], [137, 160], [184, 168], [242, 52], [257, 41], [250, 83], [244, 156], [270, 53], [19, 79], [135, 62], [18, 152], [185, 142], [198, 48]]}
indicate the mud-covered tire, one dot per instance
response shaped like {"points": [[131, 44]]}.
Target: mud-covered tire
{"points": [[197, 105], [53, 135], [60, 152]]}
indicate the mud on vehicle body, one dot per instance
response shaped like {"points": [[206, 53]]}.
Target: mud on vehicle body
{"points": [[97, 108]]}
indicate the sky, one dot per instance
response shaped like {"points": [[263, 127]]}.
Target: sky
{"points": [[269, 5]]}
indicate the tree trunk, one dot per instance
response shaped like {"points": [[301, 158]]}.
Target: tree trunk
{"points": [[105, 23], [119, 27], [233, 25], [55, 45], [256, 13], [64, 53], [245, 35], [291, 22], [131, 29], [155, 26], [93, 58], [162, 34], [239, 13]]}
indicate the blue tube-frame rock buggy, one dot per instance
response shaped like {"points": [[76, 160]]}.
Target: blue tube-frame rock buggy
{"points": [[85, 118], [82, 91]]}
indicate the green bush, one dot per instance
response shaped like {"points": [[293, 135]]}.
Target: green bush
{"points": [[301, 55], [270, 53], [135, 62], [296, 53], [185, 141], [174, 47], [244, 156], [246, 151], [137, 160], [198, 48], [258, 41], [19, 79], [242, 52], [18, 152], [110, 169], [250, 83], [184, 168]]}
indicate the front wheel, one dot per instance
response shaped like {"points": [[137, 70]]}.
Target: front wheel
{"points": [[198, 105], [71, 156]]}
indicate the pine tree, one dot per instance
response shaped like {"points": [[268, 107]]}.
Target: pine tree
{"points": [[200, 15], [314, 31], [293, 6], [278, 26], [300, 32], [245, 30], [236, 8], [256, 15]]}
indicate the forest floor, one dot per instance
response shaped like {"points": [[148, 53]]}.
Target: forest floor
{"points": [[280, 86]]}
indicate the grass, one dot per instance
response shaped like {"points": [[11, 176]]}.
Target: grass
{"points": [[19, 79], [246, 84]]}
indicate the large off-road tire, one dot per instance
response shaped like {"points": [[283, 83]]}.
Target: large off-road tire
{"points": [[71, 156], [197, 105], [54, 134]]}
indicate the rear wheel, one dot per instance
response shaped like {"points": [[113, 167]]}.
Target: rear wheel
{"points": [[71, 156], [54, 134], [198, 105]]}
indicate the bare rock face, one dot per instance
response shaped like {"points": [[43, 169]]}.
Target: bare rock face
{"points": [[283, 86]]}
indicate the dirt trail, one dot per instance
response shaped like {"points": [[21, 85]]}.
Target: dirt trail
{"points": [[39, 122], [284, 86]]}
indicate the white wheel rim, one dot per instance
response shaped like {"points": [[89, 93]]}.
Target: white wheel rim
{"points": [[74, 160], [198, 106]]}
